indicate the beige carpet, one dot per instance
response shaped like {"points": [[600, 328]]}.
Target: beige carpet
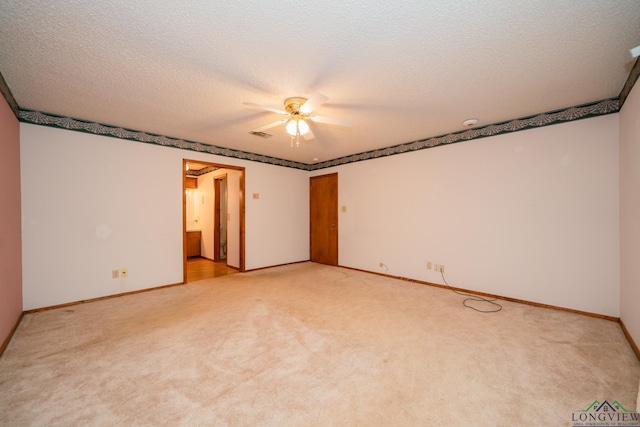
{"points": [[309, 345]]}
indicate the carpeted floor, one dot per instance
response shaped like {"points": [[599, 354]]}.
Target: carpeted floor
{"points": [[309, 345]]}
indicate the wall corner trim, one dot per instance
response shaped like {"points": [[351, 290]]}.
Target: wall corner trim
{"points": [[486, 295], [5, 344], [632, 343], [277, 265], [84, 301], [630, 83], [8, 96]]}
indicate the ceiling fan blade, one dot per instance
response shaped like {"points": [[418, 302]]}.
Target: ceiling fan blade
{"points": [[309, 135], [262, 107], [332, 120], [270, 125], [314, 102]]}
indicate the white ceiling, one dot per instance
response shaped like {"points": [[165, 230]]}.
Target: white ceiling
{"points": [[402, 70]]}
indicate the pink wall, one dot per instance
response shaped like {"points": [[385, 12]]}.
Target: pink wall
{"points": [[10, 228], [629, 213]]}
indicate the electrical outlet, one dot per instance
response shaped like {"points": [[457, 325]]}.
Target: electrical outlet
{"points": [[429, 265], [115, 274], [124, 272], [441, 268], [381, 264]]}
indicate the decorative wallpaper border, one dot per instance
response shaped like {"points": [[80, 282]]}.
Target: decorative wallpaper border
{"points": [[8, 96], [631, 81], [599, 108], [46, 119], [202, 171]]}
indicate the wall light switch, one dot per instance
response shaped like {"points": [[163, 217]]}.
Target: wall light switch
{"points": [[344, 209], [256, 195]]}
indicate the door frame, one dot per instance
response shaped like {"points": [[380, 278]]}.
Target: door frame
{"points": [[241, 202]]}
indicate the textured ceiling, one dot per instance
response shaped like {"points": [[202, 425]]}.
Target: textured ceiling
{"points": [[401, 70]]}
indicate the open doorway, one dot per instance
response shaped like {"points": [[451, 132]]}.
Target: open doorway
{"points": [[213, 220]]}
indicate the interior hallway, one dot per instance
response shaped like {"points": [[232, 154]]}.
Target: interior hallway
{"points": [[199, 268]]}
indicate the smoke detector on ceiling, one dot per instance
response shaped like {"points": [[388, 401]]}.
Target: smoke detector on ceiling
{"points": [[470, 122]]}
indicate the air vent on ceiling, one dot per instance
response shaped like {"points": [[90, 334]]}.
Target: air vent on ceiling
{"points": [[261, 134]]}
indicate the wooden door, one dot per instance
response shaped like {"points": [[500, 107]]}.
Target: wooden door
{"points": [[323, 194]]}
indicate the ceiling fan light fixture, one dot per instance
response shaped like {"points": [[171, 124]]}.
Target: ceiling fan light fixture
{"points": [[303, 127], [297, 127], [297, 111], [291, 127]]}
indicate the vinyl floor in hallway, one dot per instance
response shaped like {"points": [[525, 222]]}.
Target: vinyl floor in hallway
{"points": [[201, 268]]}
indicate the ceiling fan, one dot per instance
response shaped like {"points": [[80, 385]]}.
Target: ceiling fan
{"points": [[298, 111]]}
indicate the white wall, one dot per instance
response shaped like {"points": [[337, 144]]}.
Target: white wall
{"points": [[91, 204], [205, 202], [192, 209], [274, 223], [530, 215], [630, 213]]}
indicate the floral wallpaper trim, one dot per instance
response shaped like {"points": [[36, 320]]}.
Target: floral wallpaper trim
{"points": [[46, 119], [599, 108], [202, 171]]}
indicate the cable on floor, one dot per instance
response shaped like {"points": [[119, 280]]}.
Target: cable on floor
{"points": [[471, 297]]}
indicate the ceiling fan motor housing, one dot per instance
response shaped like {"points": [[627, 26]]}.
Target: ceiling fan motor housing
{"points": [[292, 106]]}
